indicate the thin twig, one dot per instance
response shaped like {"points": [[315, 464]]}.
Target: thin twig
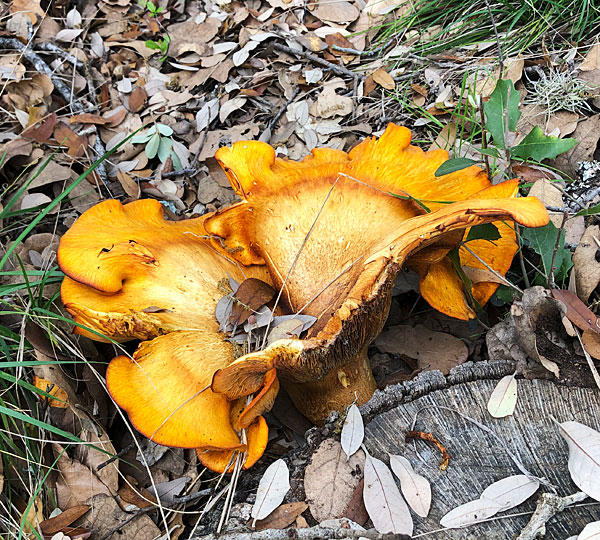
{"points": [[51, 47], [275, 119], [500, 57], [489, 268], [484, 145], [335, 68], [42, 67], [121, 453], [548, 506]]}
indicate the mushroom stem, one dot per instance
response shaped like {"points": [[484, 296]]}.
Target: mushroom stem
{"points": [[339, 388]]}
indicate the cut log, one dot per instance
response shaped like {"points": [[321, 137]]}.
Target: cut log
{"points": [[483, 449]]}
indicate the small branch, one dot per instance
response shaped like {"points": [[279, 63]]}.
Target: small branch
{"points": [[52, 48], [500, 57], [548, 506], [308, 533], [490, 269], [42, 67], [275, 119], [484, 145], [337, 69]]}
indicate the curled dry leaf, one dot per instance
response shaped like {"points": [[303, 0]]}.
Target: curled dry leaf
{"points": [[587, 268], [330, 480], [415, 488], [432, 350], [470, 513], [353, 431], [272, 489], [503, 400], [584, 457], [383, 501], [501, 495], [511, 491]]}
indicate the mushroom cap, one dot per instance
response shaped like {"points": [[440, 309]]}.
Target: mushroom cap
{"points": [[133, 275], [334, 230], [331, 232]]}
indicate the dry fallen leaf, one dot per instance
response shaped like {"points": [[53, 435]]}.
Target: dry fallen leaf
{"points": [[587, 135], [282, 516], [76, 483], [383, 79], [503, 400], [511, 491], [590, 532], [105, 515], [353, 431], [272, 488], [64, 519], [585, 263], [592, 59], [432, 350], [584, 456], [415, 488], [386, 507], [336, 11], [577, 312], [470, 513], [329, 103], [330, 480]]}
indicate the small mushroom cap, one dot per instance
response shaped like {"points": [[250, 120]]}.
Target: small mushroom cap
{"points": [[133, 275]]}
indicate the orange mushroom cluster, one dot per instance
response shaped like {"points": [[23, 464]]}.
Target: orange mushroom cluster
{"points": [[330, 232]]}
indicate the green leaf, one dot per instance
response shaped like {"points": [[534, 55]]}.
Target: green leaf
{"points": [[164, 130], [177, 166], [502, 111], [164, 149], [453, 165], [141, 138], [151, 6], [493, 152], [152, 146], [487, 231], [152, 45], [543, 240], [591, 211], [538, 146]]}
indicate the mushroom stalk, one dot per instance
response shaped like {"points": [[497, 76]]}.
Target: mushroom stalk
{"points": [[343, 385]]}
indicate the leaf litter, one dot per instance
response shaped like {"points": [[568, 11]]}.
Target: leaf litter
{"points": [[224, 79]]}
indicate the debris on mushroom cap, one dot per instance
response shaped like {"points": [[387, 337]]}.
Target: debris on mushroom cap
{"points": [[331, 232]]}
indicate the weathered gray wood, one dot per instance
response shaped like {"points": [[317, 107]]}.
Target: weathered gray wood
{"points": [[478, 459]]}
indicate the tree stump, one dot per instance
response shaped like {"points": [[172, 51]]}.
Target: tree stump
{"points": [[479, 458], [482, 449]]}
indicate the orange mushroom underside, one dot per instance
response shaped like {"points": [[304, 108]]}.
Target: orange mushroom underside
{"points": [[331, 232]]}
